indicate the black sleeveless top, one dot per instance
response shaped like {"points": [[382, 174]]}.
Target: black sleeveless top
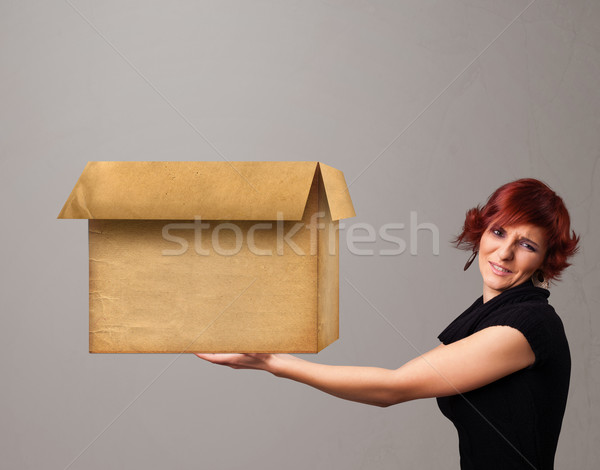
{"points": [[514, 422]]}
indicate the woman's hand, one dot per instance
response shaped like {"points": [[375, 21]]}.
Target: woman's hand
{"points": [[258, 361]]}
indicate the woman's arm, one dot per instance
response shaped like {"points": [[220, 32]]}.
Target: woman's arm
{"points": [[369, 385], [470, 363]]}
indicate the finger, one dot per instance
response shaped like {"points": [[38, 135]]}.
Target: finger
{"points": [[220, 358], [212, 357], [205, 356]]}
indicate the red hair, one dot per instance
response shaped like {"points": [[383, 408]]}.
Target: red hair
{"points": [[525, 201]]}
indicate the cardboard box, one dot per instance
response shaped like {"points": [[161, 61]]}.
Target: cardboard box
{"points": [[212, 256]]}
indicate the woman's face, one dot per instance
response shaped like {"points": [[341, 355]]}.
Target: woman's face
{"points": [[508, 256]]}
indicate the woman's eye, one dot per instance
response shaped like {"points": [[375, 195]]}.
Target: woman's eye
{"points": [[497, 231], [528, 246]]}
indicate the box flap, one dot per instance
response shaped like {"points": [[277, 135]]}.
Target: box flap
{"points": [[185, 190], [338, 197]]}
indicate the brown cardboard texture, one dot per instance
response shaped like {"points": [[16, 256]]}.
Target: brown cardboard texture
{"points": [[212, 256]]}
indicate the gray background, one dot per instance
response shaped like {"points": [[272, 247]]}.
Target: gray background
{"points": [[426, 106]]}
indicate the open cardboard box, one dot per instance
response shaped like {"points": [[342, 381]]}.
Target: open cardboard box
{"points": [[212, 256]]}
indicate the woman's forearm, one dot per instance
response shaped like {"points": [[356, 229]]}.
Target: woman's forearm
{"points": [[369, 385]]}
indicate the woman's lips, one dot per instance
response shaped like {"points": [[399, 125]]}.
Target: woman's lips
{"points": [[498, 271]]}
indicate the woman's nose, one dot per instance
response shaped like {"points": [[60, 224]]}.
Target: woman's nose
{"points": [[506, 251]]}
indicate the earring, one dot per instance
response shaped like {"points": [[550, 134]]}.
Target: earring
{"points": [[470, 260], [539, 280]]}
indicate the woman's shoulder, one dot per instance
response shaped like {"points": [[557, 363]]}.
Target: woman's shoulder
{"points": [[528, 312], [538, 322]]}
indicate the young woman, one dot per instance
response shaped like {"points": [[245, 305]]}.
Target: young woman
{"points": [[501, 373]]}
